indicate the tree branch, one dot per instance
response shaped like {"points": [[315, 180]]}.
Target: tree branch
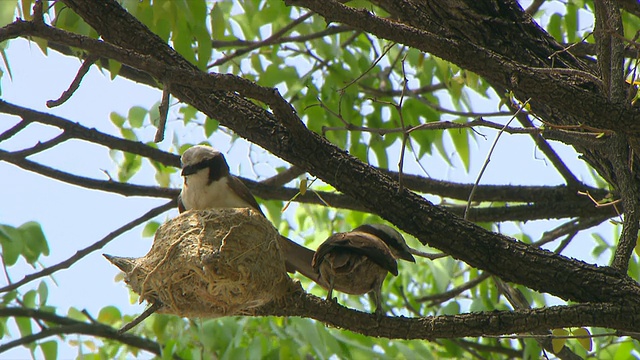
{"points": [[290, 140], [91, 248], [455, 326], [70, 326]]}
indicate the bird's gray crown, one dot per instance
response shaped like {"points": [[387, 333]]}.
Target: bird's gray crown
{"points": [[197, 154]]}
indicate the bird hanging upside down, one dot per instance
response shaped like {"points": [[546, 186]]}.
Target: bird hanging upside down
{"points": [[357, 262]]}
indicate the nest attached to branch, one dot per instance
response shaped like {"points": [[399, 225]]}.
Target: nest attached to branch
{"points": [[210, 263]]}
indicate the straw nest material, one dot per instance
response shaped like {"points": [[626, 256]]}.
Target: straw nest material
{"points": [[210, 263]]}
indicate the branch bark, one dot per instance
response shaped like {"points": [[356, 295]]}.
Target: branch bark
{"points": [[288, 138]]}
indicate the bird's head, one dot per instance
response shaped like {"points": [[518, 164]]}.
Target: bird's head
{"points": [[201, 157], [394, 240]]}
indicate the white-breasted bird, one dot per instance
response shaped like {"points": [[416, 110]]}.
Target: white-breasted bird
{"points": [[208, 184]]}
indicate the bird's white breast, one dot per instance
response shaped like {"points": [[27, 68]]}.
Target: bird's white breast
{"points": [[198, 195]]}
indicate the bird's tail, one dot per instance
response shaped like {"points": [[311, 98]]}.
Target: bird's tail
{"points": [[298, 258]]}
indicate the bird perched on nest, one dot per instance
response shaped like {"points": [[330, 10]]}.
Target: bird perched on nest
{"points": [[357, 262], [208, 184]]}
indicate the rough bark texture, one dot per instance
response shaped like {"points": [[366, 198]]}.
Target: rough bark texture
{"points": [[495, 39]]}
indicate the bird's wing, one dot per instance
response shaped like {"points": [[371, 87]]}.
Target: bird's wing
{"points": [[359, 243], [243, 192], [181, 207], [394, 240]]}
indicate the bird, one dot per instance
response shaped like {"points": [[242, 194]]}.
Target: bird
{"points": [[208, 184], [358, 261]]}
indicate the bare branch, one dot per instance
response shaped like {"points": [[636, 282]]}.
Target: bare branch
{"points": [[75, 84], [91, 248], [103, 185], [268, 41], [164, 111], [83, 133]]}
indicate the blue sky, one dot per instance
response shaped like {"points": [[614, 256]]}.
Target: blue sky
{"points": [[73, 217]]}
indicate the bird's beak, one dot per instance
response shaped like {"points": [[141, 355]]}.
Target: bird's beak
{"points": [[188, 170], [407, 256]]}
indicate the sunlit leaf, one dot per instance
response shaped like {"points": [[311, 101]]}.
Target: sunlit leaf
{"points": [[558, 344], [49, 350], [136, 116], [150, 229], [109, 315], [585, 342]]}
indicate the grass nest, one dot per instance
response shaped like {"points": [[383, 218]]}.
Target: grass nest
{"points": [[210, 263]]}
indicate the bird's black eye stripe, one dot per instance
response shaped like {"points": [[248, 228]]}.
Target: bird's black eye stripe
{"points": [[192, 169]]}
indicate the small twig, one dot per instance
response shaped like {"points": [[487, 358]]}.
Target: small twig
{"points": [[91, 318], [75, 84], [148, 312], [91, 248], [405, 135], [442, 297], [602, 203], [14, 130], [331, 30], [534, 7], [164, 112], [426, 255], [547, 150], [373, 65], [38, 12], [42, 146], [268, 41], [486, 163], [284, 177], [407, 304]]}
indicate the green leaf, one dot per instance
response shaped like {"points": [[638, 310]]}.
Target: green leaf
{"points": [[12, 244], [150, 229], [129, 167], [460, 138], [154, 114], [203, 39], [76, 314], [29, 299], [114, 68], [558, 344], [110, 315], [7, 12], [49, 350], [555, 26], [128, 134], [217, 21], [136, 116], [189, 113], [117, 119], [24, 326], [35, 242], [571, 22], [585, 342], [210, 126], [43, 293]]}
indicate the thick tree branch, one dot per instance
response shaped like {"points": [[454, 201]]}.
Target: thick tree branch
{"points": [[622, 160], [289, 139], [456, 326], [546, 87]]}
